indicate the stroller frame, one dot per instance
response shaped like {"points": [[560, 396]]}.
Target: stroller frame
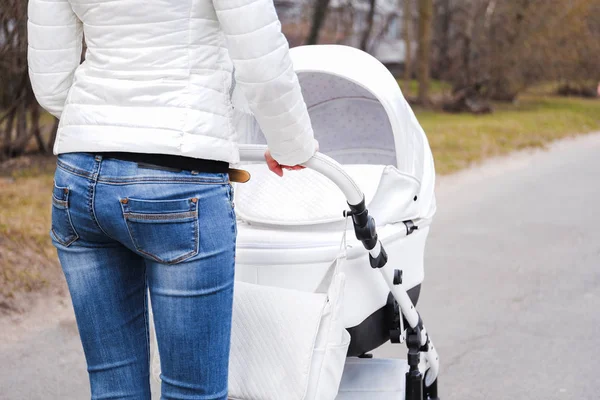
{"points": [[423, 360]]}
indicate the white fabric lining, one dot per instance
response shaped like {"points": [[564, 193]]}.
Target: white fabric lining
{"points": [[308, 198]]}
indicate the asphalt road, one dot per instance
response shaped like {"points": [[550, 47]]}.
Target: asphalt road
{"points": [[511, 295]]}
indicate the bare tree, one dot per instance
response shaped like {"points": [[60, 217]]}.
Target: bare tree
{"points": [[496, 49], [424, 53], [407, 34], [318, 19], [441, 39], [364, 43], [347, 17], [20, 115]]}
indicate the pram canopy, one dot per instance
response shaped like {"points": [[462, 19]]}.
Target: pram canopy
{"points": [[362, 120], [289, 228]]}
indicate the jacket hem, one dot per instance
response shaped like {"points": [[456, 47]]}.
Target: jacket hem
{"points": [[71, 139]]}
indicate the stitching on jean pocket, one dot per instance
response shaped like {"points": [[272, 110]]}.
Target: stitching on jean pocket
{"points": [[61, 218], [60, 203], [231, 195], [145, 233], [160, 217]]}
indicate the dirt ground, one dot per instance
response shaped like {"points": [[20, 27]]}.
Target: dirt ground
{"points": [[27, 165], [29, 269]]}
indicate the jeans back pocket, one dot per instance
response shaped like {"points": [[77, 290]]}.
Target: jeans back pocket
{"points": [[164, 230], [62, 228]]}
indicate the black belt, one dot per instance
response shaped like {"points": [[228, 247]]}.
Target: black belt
{"points": [[169, 162]]}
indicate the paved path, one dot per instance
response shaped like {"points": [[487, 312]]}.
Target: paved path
{"points": [[511, 297], [512, 283]]}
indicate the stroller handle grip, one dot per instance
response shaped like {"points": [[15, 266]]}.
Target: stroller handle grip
{"points": [[364, 224], [321, 163]]}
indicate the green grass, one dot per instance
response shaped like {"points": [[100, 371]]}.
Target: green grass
{"points": [[459, 140], [437, 87]]}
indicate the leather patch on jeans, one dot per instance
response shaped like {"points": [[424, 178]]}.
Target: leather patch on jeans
{"points": [[238, 175]]}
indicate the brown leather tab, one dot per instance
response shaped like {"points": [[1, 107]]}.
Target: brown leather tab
{"points": [[238, 175]]}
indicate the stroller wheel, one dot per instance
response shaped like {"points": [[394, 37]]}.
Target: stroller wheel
{"points": [[379, 327], [430, 392]]}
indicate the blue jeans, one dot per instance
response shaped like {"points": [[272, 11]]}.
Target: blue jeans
{"points": [[122, 230]]}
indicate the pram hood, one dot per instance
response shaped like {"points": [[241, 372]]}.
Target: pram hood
{"points": [[362, 120]]}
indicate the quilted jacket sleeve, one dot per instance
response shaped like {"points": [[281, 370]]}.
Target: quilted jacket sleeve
{"points": [[265, 74], [55, 41]]}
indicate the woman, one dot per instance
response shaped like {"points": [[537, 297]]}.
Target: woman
{"points": [[141, 197]]}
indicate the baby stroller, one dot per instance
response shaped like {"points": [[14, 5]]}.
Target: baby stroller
{"points": [[376, 164]]}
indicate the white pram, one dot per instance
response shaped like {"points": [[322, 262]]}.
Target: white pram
{"points": [[289, 228]]}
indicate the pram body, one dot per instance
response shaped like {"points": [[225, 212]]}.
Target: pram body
{"points": [[289, 228]]}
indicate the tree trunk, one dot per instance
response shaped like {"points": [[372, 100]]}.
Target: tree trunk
{"points": [[7, 145], [364, 43], [467, 50], [407, 33], [22, 137], [318, 18], [424, 55], [444, 40]]}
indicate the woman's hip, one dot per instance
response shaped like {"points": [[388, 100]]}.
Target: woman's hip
{"points": [[163, 215]]}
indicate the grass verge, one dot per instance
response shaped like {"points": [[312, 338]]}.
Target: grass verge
{"points": [[28, 261], [437, 88], [460, 140]]}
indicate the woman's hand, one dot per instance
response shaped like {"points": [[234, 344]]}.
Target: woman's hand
{"points": [[278, 168]]}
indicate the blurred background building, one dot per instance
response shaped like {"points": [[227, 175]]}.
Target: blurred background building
{"points": [[347, 23]]}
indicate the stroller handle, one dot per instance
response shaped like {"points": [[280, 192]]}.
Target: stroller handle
{"points": [[321, 163], [364, 224]]}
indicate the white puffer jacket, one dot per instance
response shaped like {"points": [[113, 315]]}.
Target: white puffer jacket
{"points": [[157, 76]]}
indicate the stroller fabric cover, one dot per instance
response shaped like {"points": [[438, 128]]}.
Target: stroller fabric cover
{"points": [[274, 200], [288, 227], [286, 343], [361, 120]]}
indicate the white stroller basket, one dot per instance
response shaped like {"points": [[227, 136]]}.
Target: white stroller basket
{"points": [[289, 228]]}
